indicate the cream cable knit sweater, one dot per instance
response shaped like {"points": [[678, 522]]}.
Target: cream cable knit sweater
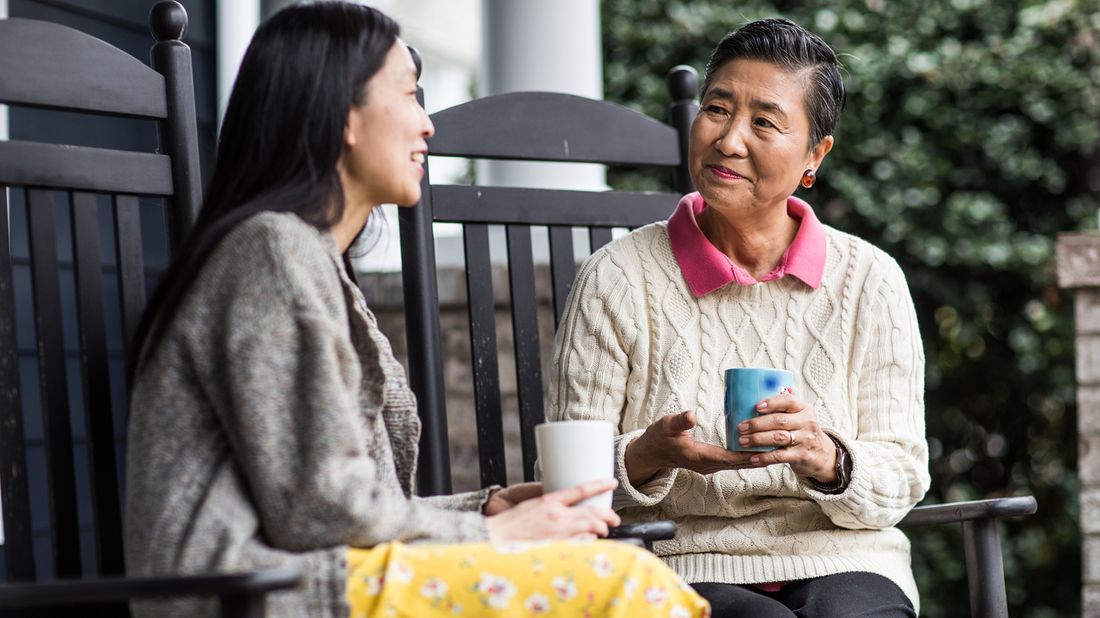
{"points": [[634, 345]]}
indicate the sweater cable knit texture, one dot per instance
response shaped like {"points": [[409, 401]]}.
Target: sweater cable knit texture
{"points": [[635, 344]]}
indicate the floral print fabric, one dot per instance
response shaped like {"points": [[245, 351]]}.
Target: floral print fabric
{"points": [[563, 578]]}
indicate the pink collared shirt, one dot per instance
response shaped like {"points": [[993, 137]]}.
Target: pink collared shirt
{"points": [[706, 269]]}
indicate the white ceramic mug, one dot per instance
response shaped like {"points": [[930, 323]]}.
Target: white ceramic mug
{"points": [[572, 452]]}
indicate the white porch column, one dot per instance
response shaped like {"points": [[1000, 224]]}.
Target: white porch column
{"points": [[549, 46], [3, 135], [235, 20]]}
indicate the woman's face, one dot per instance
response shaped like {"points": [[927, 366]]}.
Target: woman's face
{"points": [[750, 140], [385, 137]]}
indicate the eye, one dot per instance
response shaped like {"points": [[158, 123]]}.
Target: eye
{"points": [[764, 122], [714, 109]]}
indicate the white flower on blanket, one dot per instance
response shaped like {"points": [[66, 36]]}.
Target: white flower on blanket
{"points": [[629, 586], [399, 573], [565, 588], [655, 595], [373, 583], [434, 588], [498, 591], [515, 547], [601, 565], [679, 611], [537, 604]]}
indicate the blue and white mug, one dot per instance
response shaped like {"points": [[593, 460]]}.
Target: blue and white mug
{"points": [[745, 387]]}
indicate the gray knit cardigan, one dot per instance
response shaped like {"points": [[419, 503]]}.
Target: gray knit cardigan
{"points": [[274, 427]]}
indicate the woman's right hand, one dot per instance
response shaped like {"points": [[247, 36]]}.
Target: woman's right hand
{"points": [[667, 443], [553, 516]]}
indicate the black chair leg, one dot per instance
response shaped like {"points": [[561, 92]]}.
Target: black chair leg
{"points": [[984, 569], [243, 606]]}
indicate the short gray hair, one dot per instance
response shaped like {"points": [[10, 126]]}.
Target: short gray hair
{"points": [[792, 47]]}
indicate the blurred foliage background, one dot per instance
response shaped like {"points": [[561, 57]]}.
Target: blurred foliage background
{"points": [[969, 140]]}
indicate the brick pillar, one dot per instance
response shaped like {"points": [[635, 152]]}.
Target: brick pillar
{"points": [[1079, 270]]}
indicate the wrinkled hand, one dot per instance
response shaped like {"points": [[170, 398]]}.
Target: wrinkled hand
{"points": [[553, 516], [508, 497], [667, 443], [790, 424]]}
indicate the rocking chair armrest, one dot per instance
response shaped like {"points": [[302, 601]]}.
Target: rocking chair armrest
{"points": [[112, 589], [981, 545], [954, 512], [646, 531]]}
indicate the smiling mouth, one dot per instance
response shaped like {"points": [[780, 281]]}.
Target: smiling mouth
{"points": [[724, 173]]}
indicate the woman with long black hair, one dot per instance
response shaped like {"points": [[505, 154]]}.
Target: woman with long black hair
{"points": [[271, 425]]}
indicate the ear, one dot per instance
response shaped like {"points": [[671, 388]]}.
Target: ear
{"points": [[818, 152], [351, 127]]}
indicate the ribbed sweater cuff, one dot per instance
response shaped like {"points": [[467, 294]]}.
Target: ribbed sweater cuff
{"points": [[460, 517], [465, 501], [832, 497], [841, 507], [647, 494]]}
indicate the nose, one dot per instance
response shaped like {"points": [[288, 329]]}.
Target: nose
{"points": [[427, 129], [731, 141]]}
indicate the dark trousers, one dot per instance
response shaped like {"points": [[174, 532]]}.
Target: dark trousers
{"points": [[844, 595]]}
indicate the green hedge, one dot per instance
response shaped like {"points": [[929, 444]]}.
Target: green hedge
{"points": [[970, 139]]}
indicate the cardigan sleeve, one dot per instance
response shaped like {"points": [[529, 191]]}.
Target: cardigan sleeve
{"points": [[591, 365], [466, 501], [889, 452], [285, 381]]}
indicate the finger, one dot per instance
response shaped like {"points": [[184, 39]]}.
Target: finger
{"points": [[778, 456], [780, 403], [780, 429], [594, 519], [584, 536], [599, 528], [778, 438], [679, 423], [577, 493], [777, 420], [709, 458], [608, 516], [585, 520], [719, 455]]}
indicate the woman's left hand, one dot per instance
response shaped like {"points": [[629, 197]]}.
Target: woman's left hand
{"points": [[507, 497], [791, 425]]}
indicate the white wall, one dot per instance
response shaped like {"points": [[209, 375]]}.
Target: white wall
{"points": [[497, 46], [547, 46], [467, 46], [236, 21], [3, 130], [448, 34], [3, 135]]}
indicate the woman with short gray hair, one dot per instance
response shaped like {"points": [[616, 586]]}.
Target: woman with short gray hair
{"points": [[744, 275]]}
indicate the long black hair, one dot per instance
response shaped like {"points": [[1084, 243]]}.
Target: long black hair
{"points": [[281, 137]]}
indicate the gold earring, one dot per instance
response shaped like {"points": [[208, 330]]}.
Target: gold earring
{"points": [[808, 178]]}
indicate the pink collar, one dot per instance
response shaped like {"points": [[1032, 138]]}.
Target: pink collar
{"points": [[706, 269]]}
